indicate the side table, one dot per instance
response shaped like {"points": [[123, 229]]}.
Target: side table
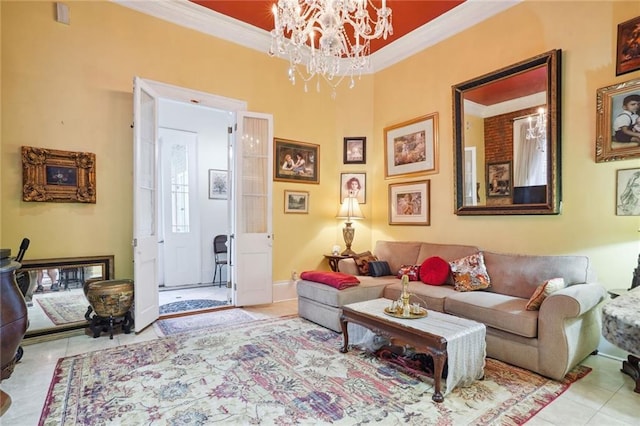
{"points": [[334, 259]]}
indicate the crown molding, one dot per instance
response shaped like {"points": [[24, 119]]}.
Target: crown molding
{"points": [[207, 21]]}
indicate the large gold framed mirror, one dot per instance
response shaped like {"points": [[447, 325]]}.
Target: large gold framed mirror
{"points": [[506, 127]]}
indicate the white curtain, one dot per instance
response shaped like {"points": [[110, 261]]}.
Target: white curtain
{"points": [[530, 168]]}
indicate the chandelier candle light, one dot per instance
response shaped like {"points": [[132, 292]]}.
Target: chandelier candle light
{"points": [[344, 29], [350, 209]]}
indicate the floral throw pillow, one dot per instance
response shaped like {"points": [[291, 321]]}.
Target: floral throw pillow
{"points": [[470, 273], [362, 262], [542, 291], [412, 271]]}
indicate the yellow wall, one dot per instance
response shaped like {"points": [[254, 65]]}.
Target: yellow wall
{"points": [[69, 87], [586, 32]]}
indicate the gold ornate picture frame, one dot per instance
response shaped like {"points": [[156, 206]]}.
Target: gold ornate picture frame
{"points": [[52, 175], [609, 106], [409, 203]]}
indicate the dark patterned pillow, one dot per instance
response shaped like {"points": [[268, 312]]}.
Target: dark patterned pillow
{"points": [[412, 271], [362, 262], [379, 268]]}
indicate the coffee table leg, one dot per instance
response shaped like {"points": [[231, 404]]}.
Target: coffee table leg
{"points": [[439, 360], [345, 335]]}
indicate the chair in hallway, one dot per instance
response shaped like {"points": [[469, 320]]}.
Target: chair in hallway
{"points": [[220, 256]]}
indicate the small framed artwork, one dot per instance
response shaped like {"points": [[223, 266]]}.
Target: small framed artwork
{"points": [[354, 184], [617, 123], [355, 150], [218, 184], [409, 203], [296, 161], [499, 179], [296, 201], [628, 46], [628, 192], [412, 147], [58, 176]]}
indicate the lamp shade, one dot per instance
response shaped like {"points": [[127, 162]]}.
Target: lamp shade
{"points": [[350, 209]]}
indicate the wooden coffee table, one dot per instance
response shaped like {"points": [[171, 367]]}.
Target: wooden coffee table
{"points": [[439, 335]]}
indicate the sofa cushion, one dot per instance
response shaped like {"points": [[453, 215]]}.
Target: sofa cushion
{"points": [[398, 253], [362, 261], [411, 271], [434, 271], [469, 273], [498, 311], [543, 290], [369, 288], [431, 297], [519, 275], [334, 279], [379, 268]]}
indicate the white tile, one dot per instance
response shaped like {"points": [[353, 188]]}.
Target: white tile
{"points": [[602, 419], [624, 407]]}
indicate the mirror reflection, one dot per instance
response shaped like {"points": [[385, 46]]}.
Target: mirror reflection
{"points": [[53, 290], [505, 132]]}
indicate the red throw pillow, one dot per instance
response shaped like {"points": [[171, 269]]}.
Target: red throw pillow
{"points": [[339, 280], [434, 271]]}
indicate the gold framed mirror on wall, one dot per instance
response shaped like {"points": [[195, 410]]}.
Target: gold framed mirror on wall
{"points": [[506, 127]]}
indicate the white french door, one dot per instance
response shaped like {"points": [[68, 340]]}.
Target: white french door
{"points": [[145, 201], [252, 220], [180, 229]]}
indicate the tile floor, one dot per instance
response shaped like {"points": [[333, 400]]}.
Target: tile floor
{"points": [[605, 396]]}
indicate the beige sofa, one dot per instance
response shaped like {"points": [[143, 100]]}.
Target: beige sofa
{"points": [[550, 341]]}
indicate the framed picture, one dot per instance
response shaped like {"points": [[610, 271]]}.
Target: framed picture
{"points": [[409, 203], [628, 192], [617, 125], [218, 184], [356, 183], [296, 161], [499, 179], [296, 201], [355, 150], [412, 147], [58, 176], [628, 46]]}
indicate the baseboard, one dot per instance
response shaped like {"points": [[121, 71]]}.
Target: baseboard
{"points": [[284, 290]]}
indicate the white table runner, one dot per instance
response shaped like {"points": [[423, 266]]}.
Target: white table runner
{"points": [[466, 345]]}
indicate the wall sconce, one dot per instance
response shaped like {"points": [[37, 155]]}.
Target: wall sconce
{"points": [[349, 210]]}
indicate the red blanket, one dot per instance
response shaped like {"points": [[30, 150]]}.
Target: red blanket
{"points": [[338, 280]]}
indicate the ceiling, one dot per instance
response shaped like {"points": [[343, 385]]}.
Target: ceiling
{"points": [[417, 24], [406, 15]]}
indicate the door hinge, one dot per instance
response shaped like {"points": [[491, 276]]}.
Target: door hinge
{"points": [[134, 242], [229, 129]]}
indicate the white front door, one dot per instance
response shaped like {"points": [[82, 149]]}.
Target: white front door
{"points": [[252, 241], [145, 201], [180, 231]]}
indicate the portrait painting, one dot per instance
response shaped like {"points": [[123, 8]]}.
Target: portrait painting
{"points": [[412, 147], [355, 150], [57, 175], [618, 121], [409, 203], [499, 179], [628, 46], [296, 161], [628, 192], [354, 184]]}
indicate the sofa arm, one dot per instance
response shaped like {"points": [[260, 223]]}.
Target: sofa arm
{"points": [[348, 266], [569, 324], [573, 301]]}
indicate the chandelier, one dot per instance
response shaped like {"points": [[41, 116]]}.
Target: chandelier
{"points": [[327, 38], [537, 128]]}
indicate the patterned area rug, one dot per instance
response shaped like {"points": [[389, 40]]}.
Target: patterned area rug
{"points": [[64, 307], [171, 326], [190, 305], [276, 372]]}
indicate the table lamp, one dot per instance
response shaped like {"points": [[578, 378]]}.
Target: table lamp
{"points": [[350, 209]]}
